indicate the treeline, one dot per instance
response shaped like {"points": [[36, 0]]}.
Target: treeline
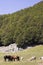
{"points": [[24, 27]]}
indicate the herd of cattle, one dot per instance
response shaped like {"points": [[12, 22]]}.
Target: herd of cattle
{"points": [[13, 58]]}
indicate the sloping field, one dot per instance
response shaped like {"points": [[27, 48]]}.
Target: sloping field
{"points": [[26, 54]]}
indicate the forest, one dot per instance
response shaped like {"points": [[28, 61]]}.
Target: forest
{"points": [[24, 27]]}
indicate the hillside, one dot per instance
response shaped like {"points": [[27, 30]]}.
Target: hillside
{"points": [[24, 27], [26, 54]]}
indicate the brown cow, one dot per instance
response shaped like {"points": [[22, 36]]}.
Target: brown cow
{"points": [[16, 58]]}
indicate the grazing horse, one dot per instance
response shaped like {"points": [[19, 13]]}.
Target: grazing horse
{"points": [[11, 58]]}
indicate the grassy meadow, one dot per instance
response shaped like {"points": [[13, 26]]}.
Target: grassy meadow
{"points": [[26, 54]]}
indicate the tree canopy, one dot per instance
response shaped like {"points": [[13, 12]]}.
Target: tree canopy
{"points": [[24, 27]]}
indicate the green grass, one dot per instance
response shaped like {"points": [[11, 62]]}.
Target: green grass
{"points": [[35, 51]]}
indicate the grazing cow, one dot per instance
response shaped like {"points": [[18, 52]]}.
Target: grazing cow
{"points": [[8, 57], [11, 58], [16, 58]]}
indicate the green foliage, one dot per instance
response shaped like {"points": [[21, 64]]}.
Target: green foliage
{"points": [[23, 27]]}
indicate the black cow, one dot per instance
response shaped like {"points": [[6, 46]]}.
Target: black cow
{"points": [[8, 57]]}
